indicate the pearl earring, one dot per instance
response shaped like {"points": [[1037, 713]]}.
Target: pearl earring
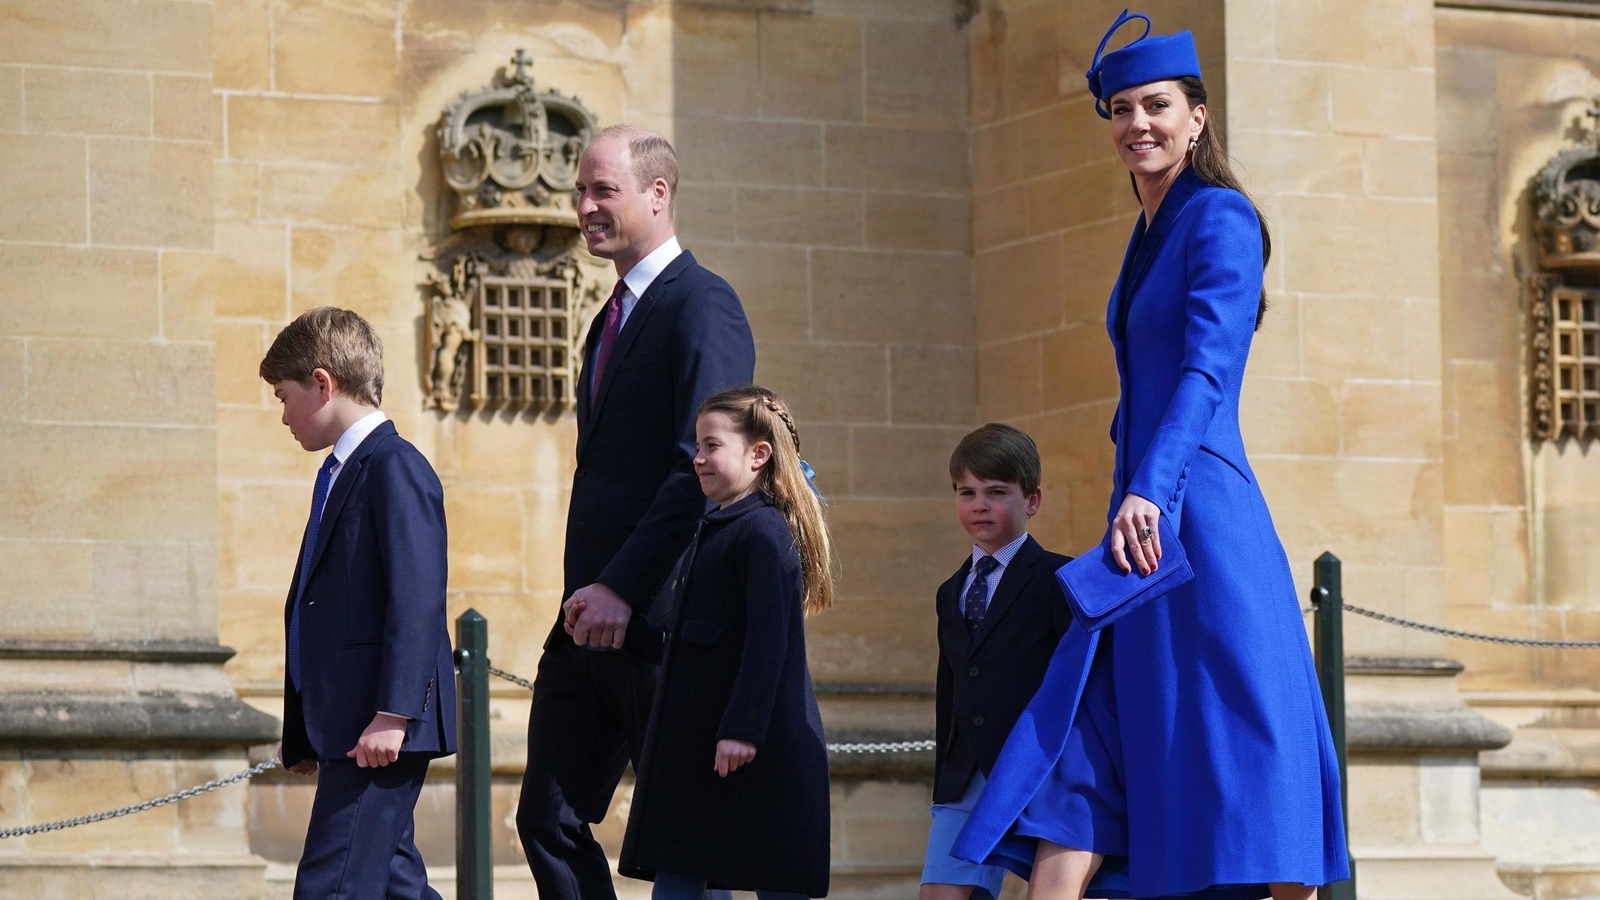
{"points": [[1193, 143]]}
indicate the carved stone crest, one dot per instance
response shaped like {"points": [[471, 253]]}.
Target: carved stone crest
{"points": [[1564, 296], [512, 291]]}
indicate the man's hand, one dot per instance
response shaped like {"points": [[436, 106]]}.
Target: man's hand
{"points": [[596, 616], [380, 743], [732, 754], [303, 767]]}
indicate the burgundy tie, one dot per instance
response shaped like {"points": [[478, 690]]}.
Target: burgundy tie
{"points": [[608, 337]]}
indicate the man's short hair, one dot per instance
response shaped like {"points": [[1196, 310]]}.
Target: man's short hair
{"points": [[652, 157], [333, 339], [998, 452]]}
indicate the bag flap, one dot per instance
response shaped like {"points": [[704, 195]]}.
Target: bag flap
{"points": [[1096, 586]]}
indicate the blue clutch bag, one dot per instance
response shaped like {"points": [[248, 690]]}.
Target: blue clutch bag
{"points": [[1098, 591]]}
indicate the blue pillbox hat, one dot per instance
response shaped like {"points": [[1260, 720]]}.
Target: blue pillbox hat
{"points": [[1163, 57]]}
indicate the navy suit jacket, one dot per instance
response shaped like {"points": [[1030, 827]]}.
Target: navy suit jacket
{"points": [[373, 634], [635, 496], [986, 680]]}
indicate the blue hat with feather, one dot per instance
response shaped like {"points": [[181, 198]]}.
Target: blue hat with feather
{"points": [[1162, 57]]}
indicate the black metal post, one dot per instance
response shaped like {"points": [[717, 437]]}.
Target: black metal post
{"points": [[474, 865], [1327, 598]]}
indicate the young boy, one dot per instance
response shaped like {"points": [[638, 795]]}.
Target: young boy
{"points": [[1000, 618], [369, 696]]}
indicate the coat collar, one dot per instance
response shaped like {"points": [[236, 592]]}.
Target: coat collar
{"points": [[589, 414], [1147, 241], [1016, 577], [341, 489], [749, 504]]}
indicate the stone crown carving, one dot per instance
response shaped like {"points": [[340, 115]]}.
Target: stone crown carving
{"points": [[510, 151]]}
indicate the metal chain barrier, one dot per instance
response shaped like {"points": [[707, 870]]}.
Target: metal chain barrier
{"points": [[1472, 636], [173, 797], [501, 673]]}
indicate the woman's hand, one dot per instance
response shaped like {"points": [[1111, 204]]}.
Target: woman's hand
{"points": [[732, 754], [1133, 533]]}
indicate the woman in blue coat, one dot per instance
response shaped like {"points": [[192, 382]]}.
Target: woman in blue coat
{"points": [[1184, 749]]}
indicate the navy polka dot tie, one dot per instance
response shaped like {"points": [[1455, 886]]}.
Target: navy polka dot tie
{"points": [[978, 594]]}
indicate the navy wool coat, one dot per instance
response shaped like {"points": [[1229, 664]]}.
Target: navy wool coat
{"points": [[735, 667]]}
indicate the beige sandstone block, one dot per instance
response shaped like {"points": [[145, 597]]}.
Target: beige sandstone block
{"points": [[885, 822], [1078, 196], [1265, 95], [495, 453], [359, 270], [62, 291], [736, 151], [150, 193], [983, 69], [1249, 28], [1387, 247], [1511, 583], [1275, 349], [811, 67], [1294, 417], [933, 385], [10, 98], [1468, 184], [1468, 556], [1065, 135], [544, 532], [244, 278], [1478, 315], [48, 591], [187, 316], [1483, 461], [1019, 289], [1571, 571], [914, 222], [359, 198], [916, 73], [153, 384], [897, 549], [1402, 168], [913, 10], [1079, 366], [486, 542], [219, 126], [13, 378], [155, 591], [995, 160], [1467, 116], [63, 788], [1383, 101], [227, 538], [1274, 162], [183, 107], [1531, 34], [336, 132], [1384, 802], [901, 461], [1090, 260], [241, 45], [235, 188], [772, 283], [1032, 60], [1075, 446], [214, 824], [693, 61], [1010, 379], [828, 382], [1390, 420], [827, 448], [880, 296], [84, 101], [704, 212], [896, 159], [252, 623], [1471, 242], [254, 445], [999, 217], [346, 48], [43, 184], [1364, 33], [1422, 339], [1494, 666], [272, 521], [163, 35], [240, 346], [783, 216], [878, 640], [1371, 512]]}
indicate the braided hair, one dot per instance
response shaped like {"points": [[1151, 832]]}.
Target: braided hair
{"points": [[759, 414]]}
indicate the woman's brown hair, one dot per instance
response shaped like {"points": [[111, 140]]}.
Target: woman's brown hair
{"points": [[759, 414]]}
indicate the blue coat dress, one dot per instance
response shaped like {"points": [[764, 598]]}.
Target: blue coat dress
{"points": [[1187, 741]]}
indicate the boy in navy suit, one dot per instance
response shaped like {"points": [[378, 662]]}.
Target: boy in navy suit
{"points": [[1000, 617], [369, 693]]}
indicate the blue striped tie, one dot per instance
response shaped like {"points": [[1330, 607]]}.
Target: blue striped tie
{"points": [[319, 496]]}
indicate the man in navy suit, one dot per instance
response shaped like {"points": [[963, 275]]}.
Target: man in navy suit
{"points": [[671, 334], [369, 692]]}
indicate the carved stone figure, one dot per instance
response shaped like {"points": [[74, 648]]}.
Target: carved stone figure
{"points": [[450, 330]]}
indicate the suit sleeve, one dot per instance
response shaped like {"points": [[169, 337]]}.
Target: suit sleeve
{"points": [[711, 350], [772, 587], [408, 521], [1224, 284]]}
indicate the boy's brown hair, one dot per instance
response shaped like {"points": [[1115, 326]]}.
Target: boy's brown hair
{"points": [[998, 452], [333, 339]]}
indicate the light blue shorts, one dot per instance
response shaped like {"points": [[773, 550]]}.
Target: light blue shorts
{"points": [[942, 868]]}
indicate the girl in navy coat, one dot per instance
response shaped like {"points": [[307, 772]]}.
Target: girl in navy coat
{"points": [[733, 784], [1183, 750]]}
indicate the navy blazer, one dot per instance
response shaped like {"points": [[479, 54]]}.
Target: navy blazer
{"points": [[986, 680], [635, 497], [373, 634]]}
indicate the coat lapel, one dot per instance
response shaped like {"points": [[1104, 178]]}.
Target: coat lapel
{"points": [[950, 603], [625, 338], [341, 490], [1016, 577], [1172, 206]]}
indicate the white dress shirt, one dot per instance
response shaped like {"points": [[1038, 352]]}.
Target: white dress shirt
{"points": [[641, 276], [1003, 556]]}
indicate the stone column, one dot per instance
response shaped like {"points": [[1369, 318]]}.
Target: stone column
{"points": [[1331, 117], [111, 683]]}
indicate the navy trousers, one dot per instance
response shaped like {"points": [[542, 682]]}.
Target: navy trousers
{"points": [[361, 844]]}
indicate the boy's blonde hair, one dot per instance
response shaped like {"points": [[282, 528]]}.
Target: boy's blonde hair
{"points": [[333, 339], [759, 414]]}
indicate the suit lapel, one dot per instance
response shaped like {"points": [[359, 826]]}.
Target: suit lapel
{"points": [[1172, 206], [625, 338], [950, 603], [1016, 577], [341, 490]]}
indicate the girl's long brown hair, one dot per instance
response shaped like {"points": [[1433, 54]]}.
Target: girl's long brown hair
{"points": [[759, 414]]}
